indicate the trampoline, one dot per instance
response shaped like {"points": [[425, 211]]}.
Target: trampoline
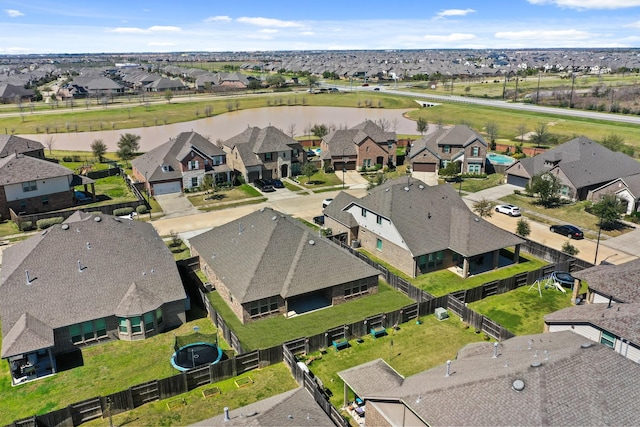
{"points": [[564, 278], [195, 350]]}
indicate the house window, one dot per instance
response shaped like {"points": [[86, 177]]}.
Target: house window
{"points": [[29, 186], [76, 335], [268, 156], [475, 151], [565, 190], [136, 326], [379, 245], [608, 339], [101, 328], [45, 200], [379, 219], [148, 321], [123, 326], [446, 149], [206, 162], [295, 152], [263, 306], [390, 144], [356, 288], [474, 168], [88, 331], [194, 181], [366, 149], [363, 212], [159, 316]]}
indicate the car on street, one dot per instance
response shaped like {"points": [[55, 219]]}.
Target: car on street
{"points": [[365, 85], [319, 220], [326, 202], [377, 88], [311, 153], [264, 185], [570, 231], [277, 183], [510, 210]]}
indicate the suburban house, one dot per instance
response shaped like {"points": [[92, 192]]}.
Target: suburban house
{"points": [[454, 144], [581, 165], [557, 379], [14, 94], [12, 144], [608, 283], [419, 228], [360, 148], [626, 188], [115, 279], [31, 185], [269, 264], [181, 163], [265, 153]]}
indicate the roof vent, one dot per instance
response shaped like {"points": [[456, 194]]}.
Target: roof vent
{"points": [[518, 385], [586, 345], [536, 364], [273, 218], [406, 188], [261, 209], [476, 219], [97, 219], [312, 242], [88, 245], [65, 226], [386, 189], [421, 187]]}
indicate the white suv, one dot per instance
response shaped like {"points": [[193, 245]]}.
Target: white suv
{"points": [[510, 210]]}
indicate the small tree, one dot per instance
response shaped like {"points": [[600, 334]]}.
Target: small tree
{"points": [[483, 207], [254, 84], [541, 134], [49, 142], [308, 169], [422, 125], [523, 228], [522, 129], [291, 130], [320, 130], [609, 210], [492, 131], [312, 81], [99, 149], [546, 186], [128, 145], [275, 80], [569, 249], [168, 95], [613, 142]]}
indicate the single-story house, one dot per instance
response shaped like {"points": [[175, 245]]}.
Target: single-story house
{"points": [[362, 147], [454, 144], [626, 188], [269, 264], [557, 379], [91, 279], [14, 94], [608, 283], [581, 165], [13, 144], [181, 163], [31, 185], [265, 153], [419, 228]]}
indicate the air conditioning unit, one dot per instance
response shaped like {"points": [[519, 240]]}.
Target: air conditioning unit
{"points": [[441, 313], [208, 287], [355, 243]]}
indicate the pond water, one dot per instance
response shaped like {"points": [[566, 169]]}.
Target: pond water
{"points": [[224, 126]]}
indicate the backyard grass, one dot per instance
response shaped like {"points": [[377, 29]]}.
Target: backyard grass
{"points": [[569, 213], [473, 185], [224, 197], [8, 228], [266, 333], [267, 382], [409, 350], [443, 282], [521, 311], [106, 368]]}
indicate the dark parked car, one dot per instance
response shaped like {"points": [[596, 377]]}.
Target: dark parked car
{"points": [[311, 153], [277, 183], [568, 230], [264, 185], [319, 219]]}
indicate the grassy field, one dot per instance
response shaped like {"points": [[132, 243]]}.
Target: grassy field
{"points": [[267, 382], [275, 330], [106, 368]]}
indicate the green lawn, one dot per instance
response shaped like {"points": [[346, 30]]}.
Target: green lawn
{"points": [[223, 197], [521, 311], [319, 179], [106, 368], [473, 185], [272, 331], [267, 382], [416, 347]]}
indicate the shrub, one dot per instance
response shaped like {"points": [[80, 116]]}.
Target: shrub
{"points": [[48, 222], [142, 209], [519, 156], [26, 226], [67, 159], [122, 211]]}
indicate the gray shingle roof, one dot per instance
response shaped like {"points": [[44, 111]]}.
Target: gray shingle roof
{"points": [[15, 169], [10, 144], [572, 386], [27, 333], [620, 281], [267, 253], [459, 135], [81, 270], [253, 141]]}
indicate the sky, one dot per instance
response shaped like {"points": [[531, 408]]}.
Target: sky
{"points": [[117, 26]]}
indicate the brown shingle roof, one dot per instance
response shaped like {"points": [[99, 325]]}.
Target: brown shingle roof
{"points": [[15, 169]]}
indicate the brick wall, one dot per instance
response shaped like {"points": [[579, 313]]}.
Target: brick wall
{"points": [[55, 201], [391, 253]]}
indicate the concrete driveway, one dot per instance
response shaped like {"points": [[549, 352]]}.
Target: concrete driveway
{"points": [[175, 205], [493, 193]]}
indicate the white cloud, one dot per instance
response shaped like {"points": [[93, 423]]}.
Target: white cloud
{"points": [[454, 12], [268, 31], [161, 44], [267, 22], [307, 33], [551, 35], [218, 19], [13, 13], [150, 30], [454, 37], [589, 4]]}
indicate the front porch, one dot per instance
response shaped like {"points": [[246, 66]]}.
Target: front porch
{"points": [[31, 366]]}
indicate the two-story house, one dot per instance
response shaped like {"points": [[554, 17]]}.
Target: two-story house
{"points": [[455, 144], [265, 153], [360, 148], [180, 163]]}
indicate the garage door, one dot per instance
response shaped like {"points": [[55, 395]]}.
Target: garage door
{"points": [[424, 167], [166, 188], [517, 180]]}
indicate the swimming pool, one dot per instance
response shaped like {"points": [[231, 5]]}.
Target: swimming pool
{"points": [[500, 159]]}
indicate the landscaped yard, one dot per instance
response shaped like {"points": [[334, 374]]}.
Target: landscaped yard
{"points": [[272, 331], [266, 382], [224, 197], [521, 311], [106, 368], [318, 180]]}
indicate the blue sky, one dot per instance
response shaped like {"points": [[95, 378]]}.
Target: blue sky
{"points": [[70, 26]]}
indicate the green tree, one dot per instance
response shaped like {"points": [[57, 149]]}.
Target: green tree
{"points": [[275, 80], [609, 210], [168, 95], [569, 249], [320, 130], [308, 169], [254, 84], [312, 81], [546, 186], [541, 135], [452, 169], [492, 132], [613, 142], [99, 149], [422, 125], [523, 228], [483, 207], [522, 129], [128, 145]]}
